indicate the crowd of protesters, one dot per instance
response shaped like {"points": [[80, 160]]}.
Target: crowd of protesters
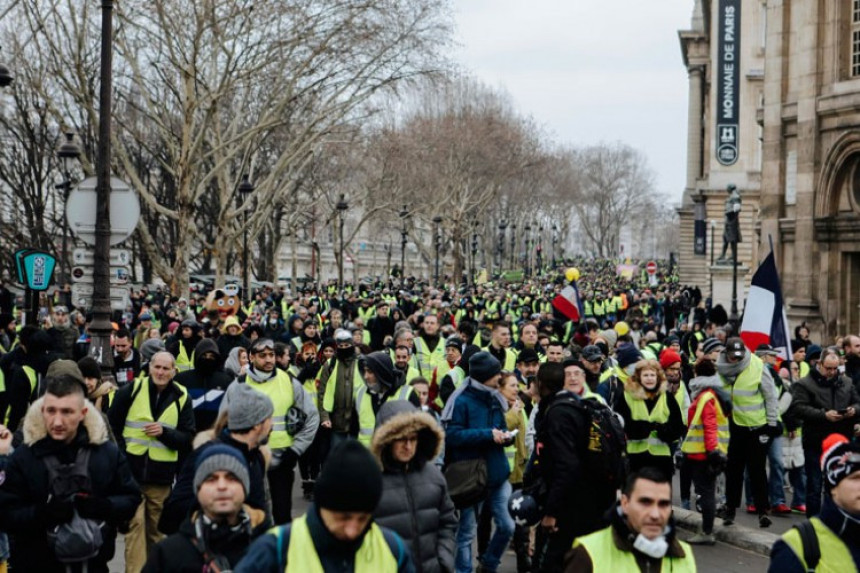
{"points": [[431, 426]]}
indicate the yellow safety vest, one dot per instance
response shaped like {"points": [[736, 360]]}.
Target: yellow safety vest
{"points": [[374, 555], [660, 415], [310, 387], [328, 399], [183, 362], [680, 397], [364, 409], [139, 415], [510, 358], [694, 443], [588, 308], [835, 555], [511, 451], [747, 401], [280, 390], [428, 360], [607, 558]]}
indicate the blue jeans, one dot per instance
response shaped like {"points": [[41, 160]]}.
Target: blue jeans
{"points": [[497, 497], [797, 477], [776, 475], [813, 482]]}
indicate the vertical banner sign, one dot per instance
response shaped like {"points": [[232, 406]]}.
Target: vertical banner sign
{"points": [[701, 234], [728, 81]]}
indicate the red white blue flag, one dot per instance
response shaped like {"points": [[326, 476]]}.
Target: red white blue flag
{"points": [[568, 303], [764, 312]]}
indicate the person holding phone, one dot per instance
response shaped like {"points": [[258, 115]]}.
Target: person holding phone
{"points": [[826, 402]]}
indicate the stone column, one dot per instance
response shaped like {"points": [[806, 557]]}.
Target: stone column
{"points": [[694, 128]]}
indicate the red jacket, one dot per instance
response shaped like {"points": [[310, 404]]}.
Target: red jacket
{"points": [[709, 422]]}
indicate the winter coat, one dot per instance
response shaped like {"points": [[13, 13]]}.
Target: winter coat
{"points": [[641, 429], [470, 417], [700, 388], [178, 554], [146, 470], [183, 499], [205, 389], [812, 396], [25, 489], [226, 343], [415, 502]]}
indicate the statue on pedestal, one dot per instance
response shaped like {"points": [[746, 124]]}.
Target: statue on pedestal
{"points": [[732, 230]]}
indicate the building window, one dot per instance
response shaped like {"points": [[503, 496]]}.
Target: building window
{"points": [[855, 38]]}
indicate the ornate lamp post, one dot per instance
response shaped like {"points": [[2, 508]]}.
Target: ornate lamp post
{"points": [[554, 243], [513, 245], [528, 230], [341, 207], [68, 152], [502, 227], [245, 190], [437, 233], [474, 251], [404, 239]]}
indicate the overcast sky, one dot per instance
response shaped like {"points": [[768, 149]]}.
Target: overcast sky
{"points": [[588, 71]]}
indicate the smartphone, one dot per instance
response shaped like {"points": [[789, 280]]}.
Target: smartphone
{"points": [[842, 412], [514, 433]]}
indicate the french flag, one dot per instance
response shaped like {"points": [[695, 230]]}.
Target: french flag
{"points": [[764, 312], [568, 303]]}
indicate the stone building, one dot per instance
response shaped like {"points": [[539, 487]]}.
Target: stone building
{"points": [[801, 97]]}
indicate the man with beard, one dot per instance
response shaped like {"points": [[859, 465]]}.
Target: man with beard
{"points": [[528, 363], [26, 383], [206, 383], [336, 385], [126, 358], [429, 346], [380, 326], [62, 333], [851, 348], [8, 332]]}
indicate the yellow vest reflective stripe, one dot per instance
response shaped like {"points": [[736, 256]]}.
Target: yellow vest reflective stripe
{"points": [[510, 358], [511, 451], [660, 415], [280, 390], [681, 397], [588, 308], [374, 555], [328, 399], [835, 555], [140, 414], [694, 443], [428, 360], [747, 401], [183, 362], [607, 558], [364, 409]]}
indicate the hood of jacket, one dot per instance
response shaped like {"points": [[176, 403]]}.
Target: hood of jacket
{"points": [[34, 427], [397, 420], [701, 383], [204, 346], [638, 391]]}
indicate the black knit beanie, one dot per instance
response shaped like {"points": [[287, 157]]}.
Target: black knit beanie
{"points": [[351, 480]]}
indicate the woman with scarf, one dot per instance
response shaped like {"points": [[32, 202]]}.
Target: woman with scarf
{"points": [[652, 418]]}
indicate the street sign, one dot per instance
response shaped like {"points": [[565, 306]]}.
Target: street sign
{"points": [[651, 267], [82, 295], [85, 257], [35, 268], [81, 211], [119, 276]]}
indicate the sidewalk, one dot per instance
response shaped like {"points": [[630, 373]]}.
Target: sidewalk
{"points": [[756, 540]]}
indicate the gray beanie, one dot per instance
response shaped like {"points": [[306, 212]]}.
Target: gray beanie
{"points": [[221, 457], [483, 366], [245, 406], [150, 347]]}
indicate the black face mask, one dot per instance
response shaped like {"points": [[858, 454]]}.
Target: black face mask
{"points": [[345, 353], [207, 365]]}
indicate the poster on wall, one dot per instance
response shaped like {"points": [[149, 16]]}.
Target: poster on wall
{"points": [[728, 80]]}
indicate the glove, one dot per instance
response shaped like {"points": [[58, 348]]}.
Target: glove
{"points": [[717, 461], [289, 458], [93, 506], [773, 430], [58, 510], [664, 433]]}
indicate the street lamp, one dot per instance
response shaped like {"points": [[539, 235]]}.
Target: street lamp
{"points": [[554, 243], [502, 226], [711, 270], [245, 190], [6, 77], [539, 255], [513, 245], [404, 239], [341, 207], [528, 230], [437, 220], [68, 152], [474, 251]]}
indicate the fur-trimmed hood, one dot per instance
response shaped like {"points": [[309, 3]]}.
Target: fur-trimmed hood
{"points": [[636, 389], [399, 419], [34, 424]]}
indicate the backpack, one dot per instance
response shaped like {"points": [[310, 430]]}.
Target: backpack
{"points": [[811, 547], [605, 458], [80, 539]]}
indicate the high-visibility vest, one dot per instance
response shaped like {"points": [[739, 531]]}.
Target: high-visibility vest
{"points": [[491, 310], [747, 401], [660, 415], [681, 397], [328, 399], [694, 443], [511, 451], [373, 556], [310, 387], [510, 358], [183, 362], [804, 369], [835, 555], [139, 415], [426, 359], [280, 390], [364, 409], [32, 377], [589, 309], [607, 558]]}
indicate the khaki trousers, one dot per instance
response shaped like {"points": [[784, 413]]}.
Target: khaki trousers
{"points": [[143, 529]]}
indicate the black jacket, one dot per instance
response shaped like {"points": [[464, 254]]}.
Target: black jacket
{"points": [[578, 503], [812, 396], [226, 343], [144, 469], [25, 490], [183, 499], [178, 554], [205, 386]]}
